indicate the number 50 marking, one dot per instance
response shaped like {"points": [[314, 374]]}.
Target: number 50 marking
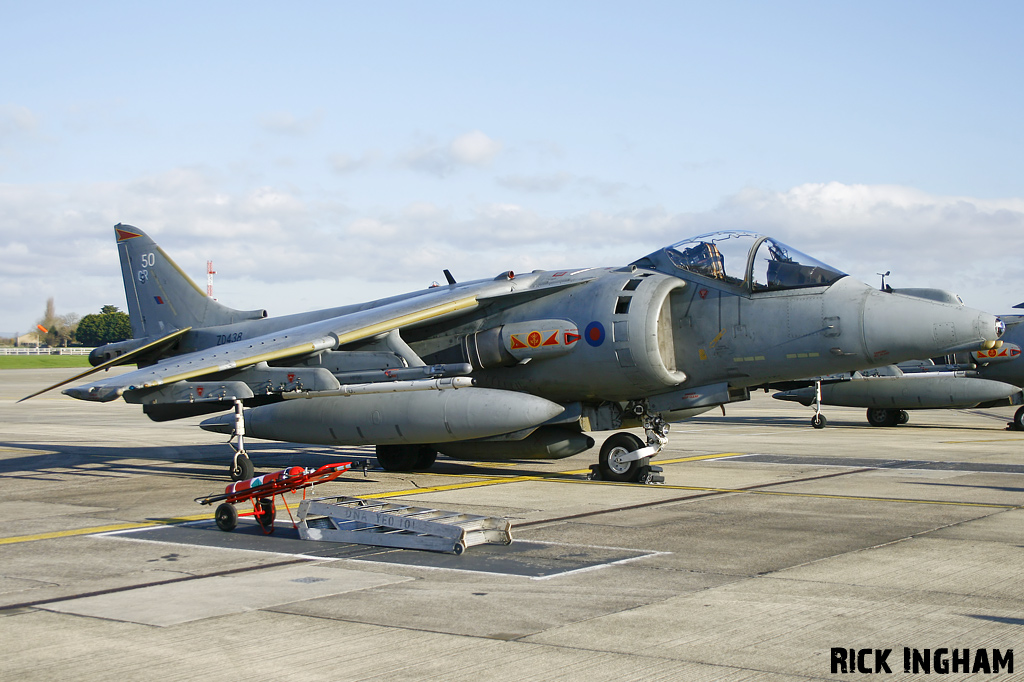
{"points": [[148, 260]]}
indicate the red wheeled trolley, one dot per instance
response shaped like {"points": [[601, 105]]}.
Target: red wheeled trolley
{"points": [[261, 491]]}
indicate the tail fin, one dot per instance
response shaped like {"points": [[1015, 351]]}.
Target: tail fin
{"points": [[161, 297]]}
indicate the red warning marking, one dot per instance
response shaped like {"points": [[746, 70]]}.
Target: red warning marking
{"points": [[517, 343], [199, 390], [291, 377], [560, 274], [533, 339], [703, 294], [1014, 352], [572, 337], [552, 340]]}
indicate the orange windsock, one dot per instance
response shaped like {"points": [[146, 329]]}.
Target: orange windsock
{"points": [[42, 329]]}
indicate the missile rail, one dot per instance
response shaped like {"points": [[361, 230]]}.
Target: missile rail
{"points": [[386, 524]]}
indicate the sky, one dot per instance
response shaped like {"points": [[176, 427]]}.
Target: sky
{"points": [[325, 153]]}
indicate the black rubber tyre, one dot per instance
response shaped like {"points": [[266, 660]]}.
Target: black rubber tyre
{"points": [[426, 457], [226, 517], [818, 421], [1018, 419], [902, 417], [267, 514], [616, 446], [242, 469], [405, 457], [878, 416]]}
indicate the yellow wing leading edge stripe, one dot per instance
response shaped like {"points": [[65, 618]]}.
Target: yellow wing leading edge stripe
{"points": [[332, 341]]}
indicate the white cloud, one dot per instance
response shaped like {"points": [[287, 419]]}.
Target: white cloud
{"points": [[16, 119], [278, 249], [287, 123], [472, 149]]}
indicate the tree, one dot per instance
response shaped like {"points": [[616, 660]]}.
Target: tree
{"points": [[60, 329], [109, 326]]}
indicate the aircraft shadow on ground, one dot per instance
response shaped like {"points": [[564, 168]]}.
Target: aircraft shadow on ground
{"points": [[201, 461], [805, 423]]}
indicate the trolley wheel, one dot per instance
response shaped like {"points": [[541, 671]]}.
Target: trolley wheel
{"points": [[459, 548], [226, 517], [242, 468], [267, 514], [818, 421]]}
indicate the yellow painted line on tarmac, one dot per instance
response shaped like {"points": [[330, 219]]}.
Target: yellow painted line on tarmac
{"points": [[853, 498], [452, 486], [556, 477], [101, 529], [549, 478]]}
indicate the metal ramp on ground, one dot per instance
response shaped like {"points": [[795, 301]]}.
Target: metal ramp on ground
{"points": [[386, 524]]}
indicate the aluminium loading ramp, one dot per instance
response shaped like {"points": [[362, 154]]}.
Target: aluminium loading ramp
{"points": [[386, 524]]}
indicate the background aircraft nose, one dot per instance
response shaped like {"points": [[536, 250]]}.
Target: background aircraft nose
{"points": [[899, 328]]}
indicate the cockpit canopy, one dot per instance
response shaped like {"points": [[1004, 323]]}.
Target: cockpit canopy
{"points": [[744, 259]]}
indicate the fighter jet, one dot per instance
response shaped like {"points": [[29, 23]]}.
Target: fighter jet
{"points": [[514, 366], [986, 378]]}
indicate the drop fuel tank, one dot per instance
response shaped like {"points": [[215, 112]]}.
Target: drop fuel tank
{"points": [[393, 418]]}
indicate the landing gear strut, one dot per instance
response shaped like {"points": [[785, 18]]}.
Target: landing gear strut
{"points": [[818, 421], [625, 457], [241, 465]]}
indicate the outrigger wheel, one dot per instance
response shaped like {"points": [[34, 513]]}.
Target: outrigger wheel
{"points": [[242, 468]]}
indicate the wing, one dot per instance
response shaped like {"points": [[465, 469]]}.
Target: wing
{"points": [[288, 343], [119, 360]]}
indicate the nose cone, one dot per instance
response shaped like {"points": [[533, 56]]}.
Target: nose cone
{"points": [[899, 328]]}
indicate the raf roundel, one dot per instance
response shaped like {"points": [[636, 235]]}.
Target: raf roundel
{"points": [[594, 334]]}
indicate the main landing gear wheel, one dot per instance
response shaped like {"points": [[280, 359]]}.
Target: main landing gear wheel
{"points": [[818, 421], [242, 468], [1018, 419], [902, 417], [405, 457], [226, 517], [878, 416], [612, 467]]}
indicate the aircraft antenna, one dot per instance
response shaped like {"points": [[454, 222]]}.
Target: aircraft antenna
{"points": [[210, 272]]}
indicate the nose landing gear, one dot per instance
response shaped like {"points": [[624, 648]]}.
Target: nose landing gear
{"points": [[241, 466], [626, 458]]}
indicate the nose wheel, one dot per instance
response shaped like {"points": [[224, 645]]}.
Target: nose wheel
{"points": [[626, 458]]}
